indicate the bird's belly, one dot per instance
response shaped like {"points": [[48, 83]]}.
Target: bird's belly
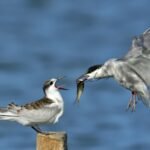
{"points": [[131, 82], [123, 81]]}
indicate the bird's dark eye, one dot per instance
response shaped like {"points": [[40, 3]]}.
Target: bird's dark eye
{"points": [[51, 83]]}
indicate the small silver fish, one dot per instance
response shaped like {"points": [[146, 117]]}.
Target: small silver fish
{"points": [[80, 88]]}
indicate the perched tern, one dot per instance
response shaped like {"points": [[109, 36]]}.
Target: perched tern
{"points": [[132, 71], [46, 110]]}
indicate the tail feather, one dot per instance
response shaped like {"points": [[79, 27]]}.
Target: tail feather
{"points": [[5, 114]]}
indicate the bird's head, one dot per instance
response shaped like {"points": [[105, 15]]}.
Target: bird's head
{"points": [[90, 74], [95, 72], [51, 85]]}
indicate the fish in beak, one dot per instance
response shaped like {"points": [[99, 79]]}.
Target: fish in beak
{"points": [[80, 86]]}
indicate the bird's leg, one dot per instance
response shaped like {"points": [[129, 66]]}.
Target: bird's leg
{"points": [[132, 102], [38, 130]]}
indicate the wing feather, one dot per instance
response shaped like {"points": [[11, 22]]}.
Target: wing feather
{"points": [[140, 46], [45, 114]]}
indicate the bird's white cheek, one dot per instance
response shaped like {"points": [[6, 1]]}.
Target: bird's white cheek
{"points": [[97, 74], [91, 76]]}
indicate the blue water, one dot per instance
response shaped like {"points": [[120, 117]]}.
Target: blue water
{"points": [[40, 39]]}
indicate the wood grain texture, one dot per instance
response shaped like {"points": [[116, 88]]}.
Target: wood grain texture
{"points": [[52, 141]]}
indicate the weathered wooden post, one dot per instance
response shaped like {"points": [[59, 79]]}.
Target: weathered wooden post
{"points": [[52, 141]]}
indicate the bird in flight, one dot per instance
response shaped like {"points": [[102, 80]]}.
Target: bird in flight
{"points": [[131, 71], [45, 110]]}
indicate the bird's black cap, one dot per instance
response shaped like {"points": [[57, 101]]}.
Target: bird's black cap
{"points": [[93, 68]]}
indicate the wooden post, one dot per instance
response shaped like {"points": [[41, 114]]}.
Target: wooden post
{"points": [[52, 141]]}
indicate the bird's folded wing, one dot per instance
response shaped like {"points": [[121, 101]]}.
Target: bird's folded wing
{"points": [[42, 114], [38, 104]]}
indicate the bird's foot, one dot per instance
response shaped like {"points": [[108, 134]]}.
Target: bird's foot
{"points": [[44, 132], [132, 102], [38, 130]]}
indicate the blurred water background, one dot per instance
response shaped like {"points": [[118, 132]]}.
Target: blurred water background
{"points": [[40, 39]]}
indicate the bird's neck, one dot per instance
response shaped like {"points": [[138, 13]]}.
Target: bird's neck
{"points": [[106, 71], [54, 95]]}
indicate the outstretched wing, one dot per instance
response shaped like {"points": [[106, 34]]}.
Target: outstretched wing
{"points": [[138, 57], [140, 46]]}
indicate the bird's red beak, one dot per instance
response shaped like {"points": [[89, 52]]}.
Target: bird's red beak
{"points": [[60, 87]]}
